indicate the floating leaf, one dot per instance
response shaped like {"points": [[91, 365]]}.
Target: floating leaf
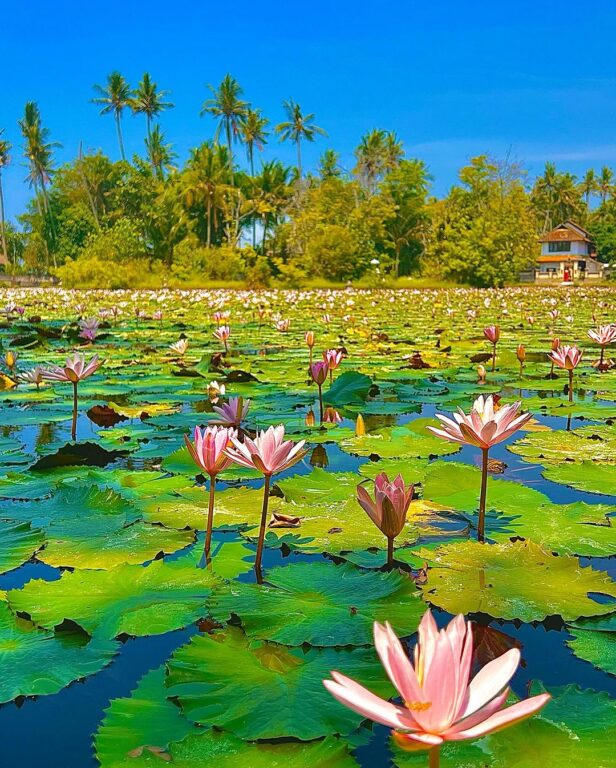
{"points": [[515, 581], [322, 604], [223, 680]]}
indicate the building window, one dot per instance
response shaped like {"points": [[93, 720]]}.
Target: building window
{"points": [[561, 247]]}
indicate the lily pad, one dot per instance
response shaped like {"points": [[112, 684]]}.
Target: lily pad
{"points": [[321, 604], [515, 580]]}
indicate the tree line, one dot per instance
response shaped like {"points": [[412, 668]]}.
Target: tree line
{"points": [[226, 214]]}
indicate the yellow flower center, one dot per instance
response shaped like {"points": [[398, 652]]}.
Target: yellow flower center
{"points": [[418, 706]]}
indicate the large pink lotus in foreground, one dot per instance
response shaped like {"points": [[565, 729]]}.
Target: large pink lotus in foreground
{"points": [[440, 701]]}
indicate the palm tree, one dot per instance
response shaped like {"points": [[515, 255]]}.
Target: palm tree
{"points": [[253, 132], [5, 149], [605, 182], [589, 185], [161, 155], [149, 101], [297, 127], [205, 180], [271, 192], [545, 189], [114, 97], [227, 106], [378, 153], [39, 154], [328, 165]]}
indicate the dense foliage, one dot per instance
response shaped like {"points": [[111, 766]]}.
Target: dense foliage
{"points": [[225, 214]]}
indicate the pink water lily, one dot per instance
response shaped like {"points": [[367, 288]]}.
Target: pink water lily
{"points": [[233, 413], [483, 427], [318, 372], [567, 357], [440, 700], [492, 334], [269, 453], [207, 450], [388, 508], [603, 336], [76, 369], [222, 333]]}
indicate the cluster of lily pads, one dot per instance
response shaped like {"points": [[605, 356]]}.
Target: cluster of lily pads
{"points": [[159, 445]]}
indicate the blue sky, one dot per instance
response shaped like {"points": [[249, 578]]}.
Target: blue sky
{"points": [[453, 79]]}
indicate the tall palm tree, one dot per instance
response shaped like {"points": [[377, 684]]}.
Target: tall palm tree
{"points": [[589, 185], [114, 97], [39, 154], [328, 165], [5, 149], [149, 101], [296, 127], [254, 134], [227, 106], [272, 189], [606, 179], [205, 180], [378, 153], [546, 190], [161, 154]]}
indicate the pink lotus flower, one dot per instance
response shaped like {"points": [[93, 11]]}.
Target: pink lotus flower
{"points": [[482, 427], [331, 416], [283, 325], [222, 334], [440, 701], [35, 375], [207, 450], [388, 508], [333, 358], [318, 372], [76, 369], [88, 329], [567, 357], [604, 335], [208, 446], [220, 317], [233, 413], [269, 453], [492, 334]]}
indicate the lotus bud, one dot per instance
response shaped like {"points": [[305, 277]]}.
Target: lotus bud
{"points": [[521, 353], [481, 372], [360, 426], [309, 338], [310, 419]]}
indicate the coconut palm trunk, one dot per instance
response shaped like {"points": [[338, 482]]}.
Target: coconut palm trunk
{"points": [[5, 252]]}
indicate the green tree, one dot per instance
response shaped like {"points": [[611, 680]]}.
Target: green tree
{"points": [[378, 153], [296, 128], [590, 186], [5, 149], [203, 184], [115, 96], [149, 101], [407, 186], [605, 183], [160, 153], [329, 167], [270, 194], [227, 106], [484, 232]]}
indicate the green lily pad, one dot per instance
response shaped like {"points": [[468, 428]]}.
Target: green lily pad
{"points": [[36, 662], [321, 604], [18, 543], [585, 476], [515, 580], [128, 599], [223, 680]]}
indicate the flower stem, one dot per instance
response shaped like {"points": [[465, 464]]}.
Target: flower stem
{"points": [[482, 497], [74, 424], [494, 357], [210, 517], [390, 550], [434, 757], [320, 404], [266, 488], [601, 359], [571, 385]]}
